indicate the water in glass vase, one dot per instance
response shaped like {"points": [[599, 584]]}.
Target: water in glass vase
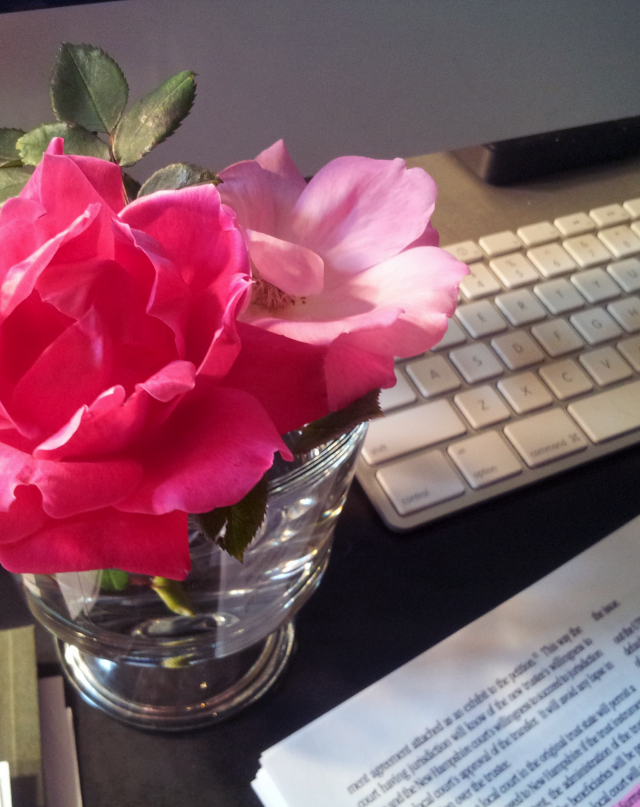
{"points": [[169, 657]]}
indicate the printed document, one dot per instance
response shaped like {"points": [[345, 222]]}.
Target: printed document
{"points": [[535, 704]]}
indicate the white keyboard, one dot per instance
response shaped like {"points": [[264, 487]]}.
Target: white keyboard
{"points": [[539, 370]]}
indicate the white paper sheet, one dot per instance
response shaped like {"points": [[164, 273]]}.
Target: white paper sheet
{"points": [[5, 785], [536, 704], [59, 757]]}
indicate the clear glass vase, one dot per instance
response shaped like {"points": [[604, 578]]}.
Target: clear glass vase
{"points": [[130, 655]]}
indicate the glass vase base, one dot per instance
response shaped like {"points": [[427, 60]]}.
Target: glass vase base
{"points": [[181, 694]]}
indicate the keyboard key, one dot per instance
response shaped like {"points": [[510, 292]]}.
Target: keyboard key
{"points": [[605, 366], [575, 224], [551, 261], [454, 335], [626, 313], [595, 326], [609, 414], [633, 208], [476, 363], [559, 296], [479, 283], [595, 285], [620, 241], [514, 271], [587, 251], [481, 319], [484, 459], [517, 350], [482, 407], [546, 437], [535, 234], [565, 379], [630, 349], [465, 251], [525, 393], [400, 395], [557, 337], [548, 322], [410, 430], [609, 215], [420, 482], [626, 274], [500, 243], [433, 376], [520, 307]]}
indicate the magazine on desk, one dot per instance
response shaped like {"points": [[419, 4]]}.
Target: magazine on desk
{"points": [[535, 704]]}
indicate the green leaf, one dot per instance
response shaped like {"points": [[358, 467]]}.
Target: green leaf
{"points": [[12, 181], [212, 522], [114, 580], [76, 141], [243, 521], [176, 176], [336, 424], [8, 151], [154, 118], [88, 88]]}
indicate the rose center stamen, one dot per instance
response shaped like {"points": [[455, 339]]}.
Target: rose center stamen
{"points": [[267, 295]]}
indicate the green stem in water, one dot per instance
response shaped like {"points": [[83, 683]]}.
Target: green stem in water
{"points": [[173, 595]]}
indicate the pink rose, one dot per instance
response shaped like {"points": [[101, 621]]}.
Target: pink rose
{"points": [[349, 261], [128, 396]]}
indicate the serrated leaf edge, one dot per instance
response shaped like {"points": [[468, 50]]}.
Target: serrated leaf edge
{"points": [[132, 111], [111, 59], [57, 123]]}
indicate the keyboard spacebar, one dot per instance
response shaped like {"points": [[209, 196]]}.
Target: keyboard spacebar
{"points": [[609, 414], [410, 430]]}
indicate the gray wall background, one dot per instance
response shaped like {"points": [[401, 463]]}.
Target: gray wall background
{"points": [[375, 77]]}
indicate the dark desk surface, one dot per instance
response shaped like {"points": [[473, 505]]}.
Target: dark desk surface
{"points": [[385, 598]]}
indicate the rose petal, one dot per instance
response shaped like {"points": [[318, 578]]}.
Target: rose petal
{"points": [[176, 218], [104, 539], [313, 322], [211, 265], [73, 369], [397, 308], [14, 466], [19, 279], [286, 184], [60, 185], [175, 379], [276, 160], [167, 295], [112, 421], [285, 375], [25, 515], [357, 212], [429, 238], [295, 270], [425, 282], [67, 488], [106, 179], [109, 424], [352, 372], [221, 351], [247, 190], [42, 322], [210, 453]]}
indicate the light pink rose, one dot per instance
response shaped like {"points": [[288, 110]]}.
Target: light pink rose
{"points": [[349, 261], [128, 397]]}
